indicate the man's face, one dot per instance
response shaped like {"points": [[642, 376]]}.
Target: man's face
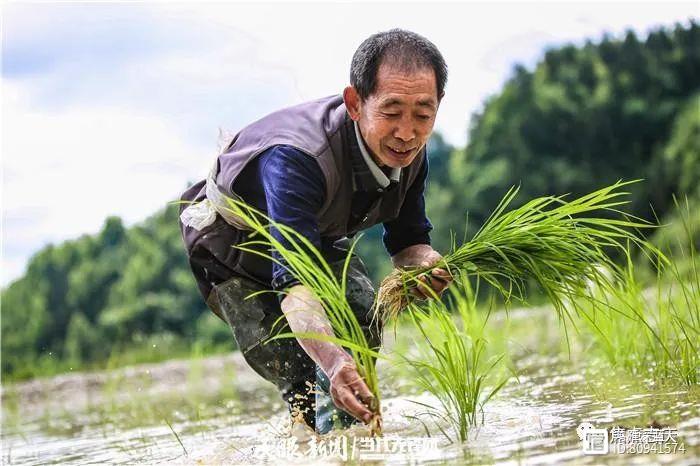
{"points": [[397, 119]]}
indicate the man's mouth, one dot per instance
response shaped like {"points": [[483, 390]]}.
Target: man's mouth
{"points": [[398, 153]]}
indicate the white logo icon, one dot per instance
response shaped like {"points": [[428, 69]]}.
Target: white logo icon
{"points": [[593, 441]]}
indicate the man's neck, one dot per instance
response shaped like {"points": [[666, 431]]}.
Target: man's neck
{"points": [[382, 173], [365, 148]]}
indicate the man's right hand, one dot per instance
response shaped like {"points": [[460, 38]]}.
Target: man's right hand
{"points": [[350, 392]]}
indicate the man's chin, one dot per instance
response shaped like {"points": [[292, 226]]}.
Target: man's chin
{"points": [[401, 165]]}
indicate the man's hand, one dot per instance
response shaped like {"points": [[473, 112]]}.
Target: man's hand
{"points": [[422, 255], [349, 391]]}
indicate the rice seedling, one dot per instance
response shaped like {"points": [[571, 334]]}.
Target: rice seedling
{"points": [[176, 436], [453, 367], [656, 329], [309, 266], [653, 333], [559, 244]]}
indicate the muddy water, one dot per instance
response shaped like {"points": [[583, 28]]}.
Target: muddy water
{"points": [[216, 410]]}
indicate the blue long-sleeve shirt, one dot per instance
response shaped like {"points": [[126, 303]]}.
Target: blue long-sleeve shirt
{"points": [[293, 190]]}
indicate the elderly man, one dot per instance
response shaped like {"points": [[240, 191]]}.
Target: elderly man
{"points": [[327, 168]]}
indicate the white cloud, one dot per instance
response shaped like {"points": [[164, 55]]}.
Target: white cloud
{"points": [[65, 172]]}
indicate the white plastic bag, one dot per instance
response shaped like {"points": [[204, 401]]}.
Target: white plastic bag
{"points": [[199, 215]]}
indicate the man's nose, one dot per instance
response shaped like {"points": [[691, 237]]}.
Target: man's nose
{"points": [[405, 131]]}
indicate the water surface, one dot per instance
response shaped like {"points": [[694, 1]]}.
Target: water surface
{"points": [[216, 410]]}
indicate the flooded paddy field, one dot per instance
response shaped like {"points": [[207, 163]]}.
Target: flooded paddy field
{"points": [[216, 410]]}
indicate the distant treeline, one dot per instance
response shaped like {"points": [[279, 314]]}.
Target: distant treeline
{"points": [[583, 118]]}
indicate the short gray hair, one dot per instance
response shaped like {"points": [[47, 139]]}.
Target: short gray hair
{"points": [[404, 49]]}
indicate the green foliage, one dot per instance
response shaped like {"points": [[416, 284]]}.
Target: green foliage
{"points": [[682, 153], [83, 341], [680, 235], [80, 300], [584, 118]]}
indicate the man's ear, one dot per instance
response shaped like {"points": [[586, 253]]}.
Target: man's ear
{"points": [[352, 102]]}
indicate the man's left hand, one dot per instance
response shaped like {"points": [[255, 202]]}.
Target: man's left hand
{"points": [[423, 255]]}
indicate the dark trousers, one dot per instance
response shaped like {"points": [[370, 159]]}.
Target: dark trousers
{"points": [[302, 385]]}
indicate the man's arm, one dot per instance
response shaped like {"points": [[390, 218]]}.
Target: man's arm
{"points": [[295, 190]]}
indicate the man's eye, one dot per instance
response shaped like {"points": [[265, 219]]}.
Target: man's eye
{"points": [[391, 114], [424, 117]]}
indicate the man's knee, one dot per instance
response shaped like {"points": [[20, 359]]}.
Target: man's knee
{"points": [[253, 320]]}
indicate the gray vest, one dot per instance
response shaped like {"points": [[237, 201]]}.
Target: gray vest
{"points": [[321, 129]]}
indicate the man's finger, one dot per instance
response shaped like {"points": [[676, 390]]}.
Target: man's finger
{"points": [[433, 286], [362, 392], [349, 403], [421, 288], [439, 286], [442, 274]]}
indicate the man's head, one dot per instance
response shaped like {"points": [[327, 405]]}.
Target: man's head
{"points": [[397, 81]]}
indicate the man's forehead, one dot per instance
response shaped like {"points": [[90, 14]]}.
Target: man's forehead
{"points": [[397, 86]]}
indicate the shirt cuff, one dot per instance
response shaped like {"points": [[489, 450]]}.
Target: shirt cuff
{"points": [[283, 281], [394, 246]]}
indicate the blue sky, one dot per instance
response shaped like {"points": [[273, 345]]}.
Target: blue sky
{"points": [[110, 109]]}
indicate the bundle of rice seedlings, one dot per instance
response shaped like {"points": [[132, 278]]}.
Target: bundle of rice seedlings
{"points": [[308, 265], [559, 244], [455, 366]]}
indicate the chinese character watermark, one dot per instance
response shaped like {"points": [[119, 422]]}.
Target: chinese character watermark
{"points": [[633, 440], [344, 448]]}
